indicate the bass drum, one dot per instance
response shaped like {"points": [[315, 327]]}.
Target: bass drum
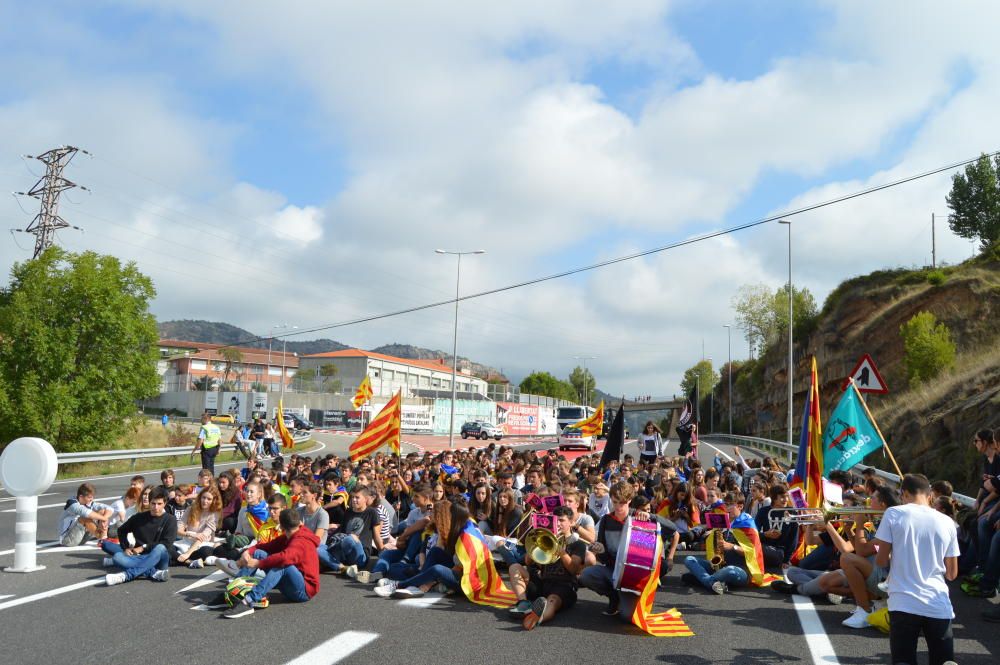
{"points": [[636, 558]]}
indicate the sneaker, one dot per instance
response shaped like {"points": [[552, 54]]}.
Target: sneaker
{"points": [[383, 581], [351, 571], [238, 610], [197, 563], [834, 599], [107, 562], [262, 604], [978, 591], [689, 579], [386, 590], [408, 592], [210, 560], [781, 586], [522, 608], [612, 609], [161, 575], [228, 566], [719, 588], [858, 619], [538, 607], [366, 577], [112, 579], [441, 588]]}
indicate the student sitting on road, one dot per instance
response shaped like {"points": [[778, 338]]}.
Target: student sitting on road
{"points": [[289, 563], [439, 565], [146, 541], [83, 518], [122, 509], [543, 590], [351, 545], [197, 529], [402, 562], [313, 516], [734, 571]]}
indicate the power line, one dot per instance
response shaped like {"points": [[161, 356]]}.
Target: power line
{"points": [[627, 257]]}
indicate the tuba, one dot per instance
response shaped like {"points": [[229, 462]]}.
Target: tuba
{"points": [[544, 546], [717, 551]]}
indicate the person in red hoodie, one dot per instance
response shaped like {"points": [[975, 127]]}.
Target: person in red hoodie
{"points": [[289, 562]]}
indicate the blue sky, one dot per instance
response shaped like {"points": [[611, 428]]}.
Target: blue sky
{"points": [[320, 152]]}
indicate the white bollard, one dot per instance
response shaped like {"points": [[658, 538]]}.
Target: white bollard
{"points": [[27, 468]]}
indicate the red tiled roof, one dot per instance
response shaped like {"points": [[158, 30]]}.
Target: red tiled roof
{"points": [[438, 365]]}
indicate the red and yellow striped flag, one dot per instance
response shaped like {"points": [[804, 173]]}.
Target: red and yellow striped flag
{"points": [[481, 583], [383, 430], [749, 542], [663, 624], [364, 393], [593, 425], [286, 437]]}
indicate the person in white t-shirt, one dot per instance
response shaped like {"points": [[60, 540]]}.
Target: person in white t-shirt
{"points": [[923, 546]]}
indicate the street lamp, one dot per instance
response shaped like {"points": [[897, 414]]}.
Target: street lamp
{"points": [[711, 403], [729, 335], [586, 381], [454, 350], [284, 345], [790, 320]]}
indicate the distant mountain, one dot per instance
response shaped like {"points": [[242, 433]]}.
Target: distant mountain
{"points": [[215, 332]]}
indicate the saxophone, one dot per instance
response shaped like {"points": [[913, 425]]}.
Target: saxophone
{"points": [[717, 551]]}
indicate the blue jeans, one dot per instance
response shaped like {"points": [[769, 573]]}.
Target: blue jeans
{"points": [[437, 568], [141, 565], [395, 564], [985, 529], [991, 571], [512, 554], [345, 552], [819, 559], [599, 580], [287, 580], [729, 575]]}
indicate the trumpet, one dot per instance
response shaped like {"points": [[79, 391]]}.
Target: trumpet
{"points": [[817, 515]]}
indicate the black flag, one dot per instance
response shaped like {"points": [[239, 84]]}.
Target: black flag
{"points": [[616, 438], [685, 422]]}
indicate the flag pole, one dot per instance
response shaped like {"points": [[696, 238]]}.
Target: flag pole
{"points": [[885, 444], [399, 445]]}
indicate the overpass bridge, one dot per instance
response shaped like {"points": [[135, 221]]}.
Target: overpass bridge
{"points": [[656, 406]]}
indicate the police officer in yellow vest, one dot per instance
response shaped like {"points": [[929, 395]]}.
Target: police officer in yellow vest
{"points": [[209, 438]]}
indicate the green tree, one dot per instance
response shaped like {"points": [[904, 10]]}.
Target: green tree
{"points": [[754, 307], [543, 383], [204, 383], [231, 359], [78, 348], [583, 382], [975, 202], [928, 346], [803, 310], [702, 375]]}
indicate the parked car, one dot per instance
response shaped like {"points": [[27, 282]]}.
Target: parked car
{"points": [[224, 419], [298, 422], [478, 429], [572, 437]]}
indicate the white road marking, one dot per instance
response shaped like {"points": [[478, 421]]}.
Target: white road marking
{"points": [[14, 498], [39, 548], [424, 601], [208, 608], [94, 581], [726, 455], [336, 649], [60, 505], [9, 595], [812, 629], [74, 548], [216, 576]]}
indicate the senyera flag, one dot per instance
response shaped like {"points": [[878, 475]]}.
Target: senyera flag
{"points": [[383, 430], [364, 392], [286, 437], [593, 425], [851, 433], [809, 465], [481, 583], [662, 624]]}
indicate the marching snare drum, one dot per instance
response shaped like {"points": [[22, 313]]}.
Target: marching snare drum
{"points": [[636, 555]]}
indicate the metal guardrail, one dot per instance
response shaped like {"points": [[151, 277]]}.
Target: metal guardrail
{"points": [[790, 453], [145, 453]]}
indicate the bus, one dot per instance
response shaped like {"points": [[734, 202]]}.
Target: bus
{"points": [[567, 415]]}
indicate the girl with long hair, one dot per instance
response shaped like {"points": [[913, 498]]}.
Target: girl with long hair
{"points": [[197, 529], [481, 507]]}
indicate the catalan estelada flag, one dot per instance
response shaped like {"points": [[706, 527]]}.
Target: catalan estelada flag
{"points": [[747, 537], [481, 583], [383, 430], [364, 392], [663, 624], [286, 437], [809, 465], [593, 425]]}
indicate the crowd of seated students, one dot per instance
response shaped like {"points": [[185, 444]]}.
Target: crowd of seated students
{"points": [[394, 522]]}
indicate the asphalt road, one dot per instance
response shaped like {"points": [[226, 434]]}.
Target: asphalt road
{"points": [[347, 623]]}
